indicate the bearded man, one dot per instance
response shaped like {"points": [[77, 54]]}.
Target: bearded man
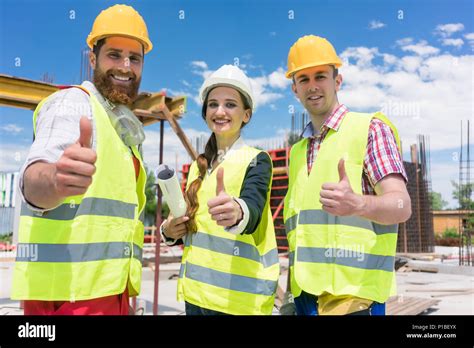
{"points": [[83, 183]]}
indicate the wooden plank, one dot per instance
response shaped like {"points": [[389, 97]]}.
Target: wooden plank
{"points": [[436, 290], [465, 292], [401, 305], [413, 307], [409, 305], [179, 132], [423, 268]]}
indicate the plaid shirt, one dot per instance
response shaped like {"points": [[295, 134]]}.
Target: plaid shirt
{"points": [[381, 159]]}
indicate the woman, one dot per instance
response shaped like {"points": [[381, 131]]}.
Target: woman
{"points": [[230, 261]]}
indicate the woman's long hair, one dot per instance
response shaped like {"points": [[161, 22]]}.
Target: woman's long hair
{"points": [[203, 161]]}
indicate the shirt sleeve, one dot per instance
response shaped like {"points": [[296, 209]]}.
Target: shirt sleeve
{"points": [[255, 188], [169, 241], [57, 127], [382, 156], [240, 227]]}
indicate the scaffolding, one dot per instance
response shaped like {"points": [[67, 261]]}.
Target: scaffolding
{"points": [[86, 70], [466, 216], [417, 234]]}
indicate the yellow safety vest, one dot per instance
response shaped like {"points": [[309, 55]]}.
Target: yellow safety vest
{"points": [[91, 245], [340, 255], [234, 274]]}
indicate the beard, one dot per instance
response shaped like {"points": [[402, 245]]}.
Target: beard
{"points": [[116, 94]]}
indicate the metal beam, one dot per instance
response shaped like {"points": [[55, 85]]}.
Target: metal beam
{"points": [[25, 93]]}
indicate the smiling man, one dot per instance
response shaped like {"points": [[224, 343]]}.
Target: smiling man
{"points": [[346, 195], [83, 183]]}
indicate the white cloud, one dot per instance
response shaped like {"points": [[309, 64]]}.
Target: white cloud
{"points": [[453, 42], [265, 88], [441, 176], [277, 79], [261, 92], [421, 48], [404, 41], [174, 151], [446, 30], [196, 99], [200, 68], [361, 55], [410, 63], [199, 64], [269, 143], [12, 157], [470, 38], [389, 58], [376, 25], [12, 128], [421, 95], [175, 93]]}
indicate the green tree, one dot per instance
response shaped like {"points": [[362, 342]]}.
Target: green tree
{"points": [[293, 138], [150, 193], [151, 200], [463, 191], [437, 201]]}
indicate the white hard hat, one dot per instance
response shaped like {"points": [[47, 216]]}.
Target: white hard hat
{"points": [[231, 76]]}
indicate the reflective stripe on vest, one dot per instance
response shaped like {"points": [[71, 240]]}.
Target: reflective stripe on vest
{"points": [[91, 245], [320, 217], [230, 281], [233, 274], [40, 252], [234, 247], [88, 206], [340, 255], [348, 258]]}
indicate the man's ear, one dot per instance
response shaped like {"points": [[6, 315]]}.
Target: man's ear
{"points": [[293, 88], [338, 82], [92, 60]]}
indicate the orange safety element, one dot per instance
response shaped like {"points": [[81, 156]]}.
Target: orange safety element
{"points": [[309, 51], [120, 20]]}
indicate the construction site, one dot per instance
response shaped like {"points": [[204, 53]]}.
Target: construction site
{"points": [[431, 279]]}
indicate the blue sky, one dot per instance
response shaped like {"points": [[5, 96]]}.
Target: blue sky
{"points": [[412, 59]]}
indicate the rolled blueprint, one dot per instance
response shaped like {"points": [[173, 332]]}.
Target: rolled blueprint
{"points": [[169, 185]]}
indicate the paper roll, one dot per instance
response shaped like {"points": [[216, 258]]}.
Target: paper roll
{"points": [[169, 184]]}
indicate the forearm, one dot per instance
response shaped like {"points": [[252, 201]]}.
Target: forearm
{"points": [[39, 185], [254, 212], [390, 208], [255, 189]]}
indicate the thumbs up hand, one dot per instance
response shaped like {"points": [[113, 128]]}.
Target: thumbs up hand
{"points": [[223, 208], [220, 188], [75, 167], [85, 132], [338, 198]]}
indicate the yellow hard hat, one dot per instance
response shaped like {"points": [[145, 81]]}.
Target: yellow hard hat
{"points": [[120, 20], [309, 51]]}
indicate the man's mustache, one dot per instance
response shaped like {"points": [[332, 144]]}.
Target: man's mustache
{"points": [[118, 72]]}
